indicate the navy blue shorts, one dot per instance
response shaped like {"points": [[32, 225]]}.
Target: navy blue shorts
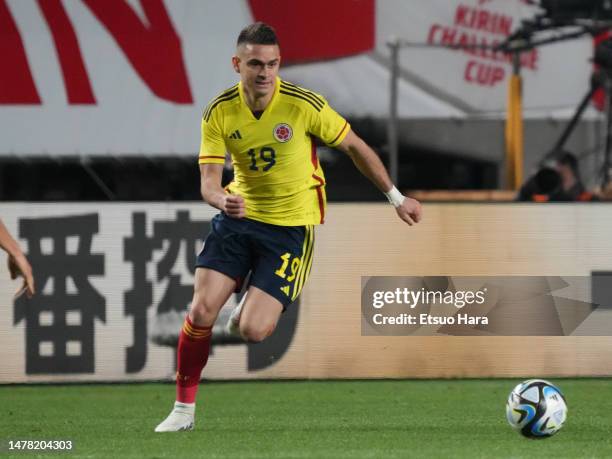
{"points": [[277, 257]]}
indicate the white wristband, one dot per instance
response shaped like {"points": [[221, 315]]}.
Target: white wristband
{"points": [[395, 197]]}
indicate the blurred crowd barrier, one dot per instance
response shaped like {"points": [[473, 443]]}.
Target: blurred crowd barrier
{"points": [[599, 194], [464, 195], [114, 281]]}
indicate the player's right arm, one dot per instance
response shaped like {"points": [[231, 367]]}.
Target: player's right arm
{"points": [[212, 160], [214, 194]]}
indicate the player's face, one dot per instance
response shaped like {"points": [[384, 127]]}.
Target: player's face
{"points": [[258, 67]]}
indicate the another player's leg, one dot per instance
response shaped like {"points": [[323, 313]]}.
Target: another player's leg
{"points": [[211, 291]]}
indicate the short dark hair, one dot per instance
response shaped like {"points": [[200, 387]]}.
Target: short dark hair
{"points": [[565, 158], [258, 33]]}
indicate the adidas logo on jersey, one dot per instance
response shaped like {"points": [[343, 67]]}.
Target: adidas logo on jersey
{"points": [[235, 135], [285, 290]]}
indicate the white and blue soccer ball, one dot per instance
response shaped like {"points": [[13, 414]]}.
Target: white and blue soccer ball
{"points": [[536, 408]]}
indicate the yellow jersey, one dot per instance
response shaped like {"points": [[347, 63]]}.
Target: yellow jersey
{"points": [[276, 169]]}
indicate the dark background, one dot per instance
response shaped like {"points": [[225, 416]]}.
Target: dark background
{"points": [[176, 178]]}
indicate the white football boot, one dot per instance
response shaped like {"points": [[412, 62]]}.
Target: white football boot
{"points": [[181, 418]]}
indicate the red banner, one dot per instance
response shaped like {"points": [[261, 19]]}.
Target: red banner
{"points": [[312, 30]]}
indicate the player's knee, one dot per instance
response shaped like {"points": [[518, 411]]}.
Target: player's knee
{"points": [[203, 312], [256, 333]]}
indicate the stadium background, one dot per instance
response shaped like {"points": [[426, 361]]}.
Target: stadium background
{"points": [[100, 110]]}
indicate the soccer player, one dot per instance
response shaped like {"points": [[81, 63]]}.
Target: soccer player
{"points": [[17, 262], [268, 212]]}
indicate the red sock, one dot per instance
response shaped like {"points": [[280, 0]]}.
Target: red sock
{"points": [[193, 349]]}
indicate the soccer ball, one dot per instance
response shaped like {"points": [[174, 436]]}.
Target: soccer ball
{"points": [[536, 408]]}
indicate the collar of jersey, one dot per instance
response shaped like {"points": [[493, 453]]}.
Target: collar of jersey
{"points": [[269, 106]]}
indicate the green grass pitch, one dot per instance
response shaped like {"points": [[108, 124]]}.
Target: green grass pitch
{"points": [[295, 419]]}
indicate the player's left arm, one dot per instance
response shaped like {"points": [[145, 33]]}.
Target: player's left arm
{"points": [[370, 165]]}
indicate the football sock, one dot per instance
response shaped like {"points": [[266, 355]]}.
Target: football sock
{"points": [[188, 408], [193, 349]]}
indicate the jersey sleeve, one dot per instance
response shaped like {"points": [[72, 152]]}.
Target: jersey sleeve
{"points": [[329, 126], [212, 147]]}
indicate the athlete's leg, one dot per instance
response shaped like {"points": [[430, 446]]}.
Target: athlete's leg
{"points": [[259, 316], [281, 270], [211, 291]]}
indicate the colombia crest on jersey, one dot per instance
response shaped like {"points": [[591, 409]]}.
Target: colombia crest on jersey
{"points": [[276, 169]]}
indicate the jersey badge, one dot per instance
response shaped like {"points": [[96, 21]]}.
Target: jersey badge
{"points": [[283, 132]]}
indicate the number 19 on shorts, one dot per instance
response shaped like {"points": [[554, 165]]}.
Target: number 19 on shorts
{"points": [[282, 271]]}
